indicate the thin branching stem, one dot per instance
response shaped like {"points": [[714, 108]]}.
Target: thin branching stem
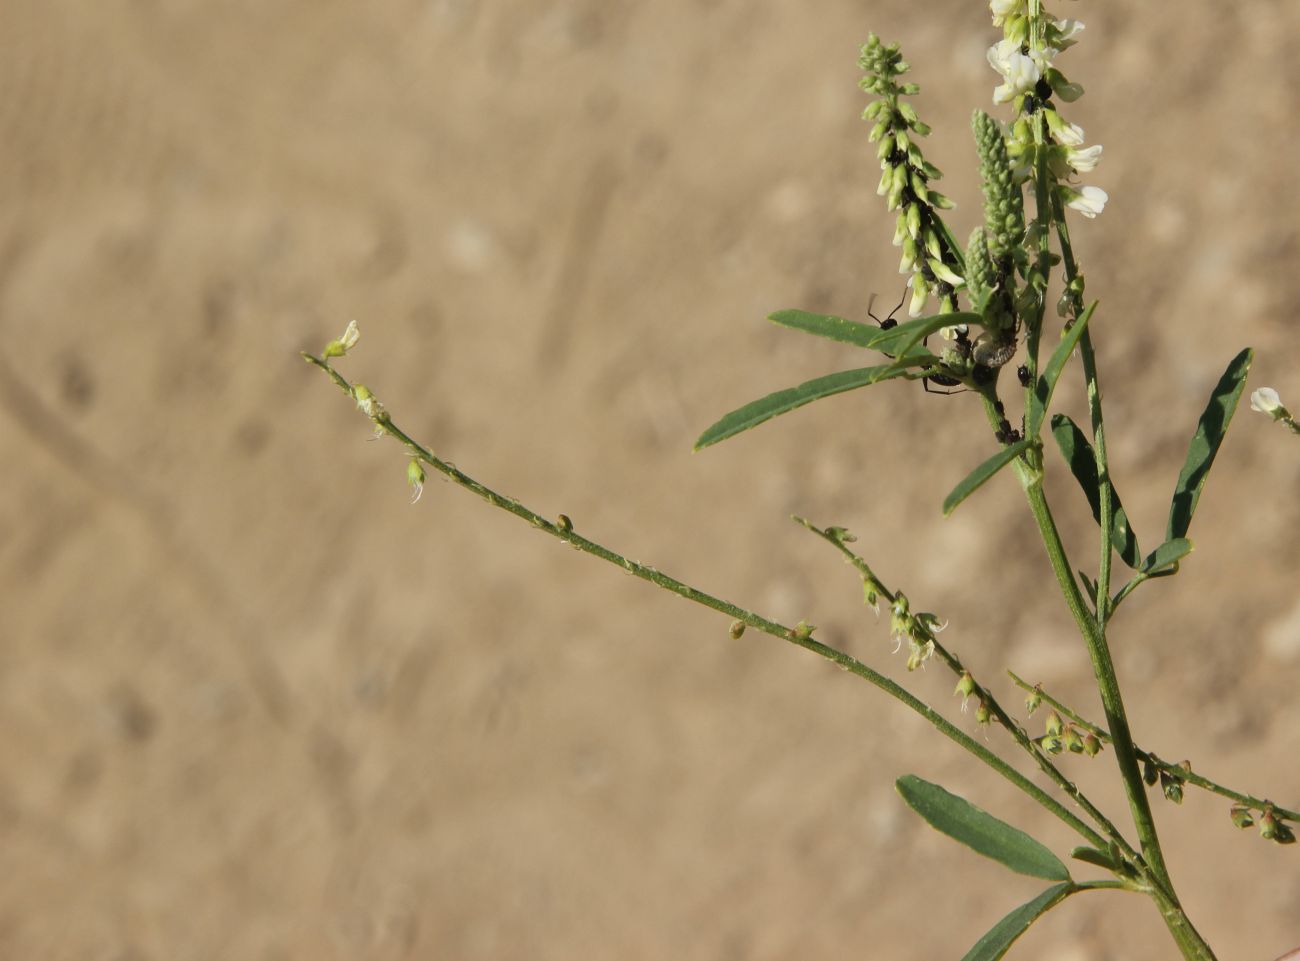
{"points": [[794, 635], [1174, 770]]}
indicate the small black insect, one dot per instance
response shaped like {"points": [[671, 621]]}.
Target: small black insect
{"points": [[889, 322], [1022, 373], [939, 380]]}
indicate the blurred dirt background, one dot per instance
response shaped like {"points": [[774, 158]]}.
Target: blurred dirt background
{"points": [[258, 706]]}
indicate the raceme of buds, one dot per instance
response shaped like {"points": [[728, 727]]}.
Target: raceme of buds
{"points": [[1004, 205], [337, 348], [906, 179]]}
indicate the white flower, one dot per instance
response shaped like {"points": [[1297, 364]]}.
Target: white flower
{"points": [[1069, 31], [1266, 401], [1089, 201], [1069, 134], [337, 348], [1019, 71], [1084, 160], [1002, 9]]}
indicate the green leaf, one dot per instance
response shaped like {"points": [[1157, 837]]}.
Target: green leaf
{"points": [[765, 408], [980, 474], [1210, 431], [907, 336], [1078, 453], [1167, 554], [1089, 586], [963, 821], [1102, 859], [1041, 398], [832, 328], [1003, 934]]}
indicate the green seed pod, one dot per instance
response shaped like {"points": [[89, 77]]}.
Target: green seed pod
{"points": [[1091, 744], [736, 630], [1072, 741], [1034, 699], [982, 714], [1051, 744], [965, 685], [1150, 773], [1268, 825], [1054, 724], [1241, 816], [563, 523], [1172, 786]]}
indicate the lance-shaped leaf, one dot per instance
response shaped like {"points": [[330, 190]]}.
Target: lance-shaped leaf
{"points": [[907, 336], [832, 328], [980, 831], [1003, 934], [1078, 453], [1210, 431], [765, 408], [980, 474], [1041, 397]]}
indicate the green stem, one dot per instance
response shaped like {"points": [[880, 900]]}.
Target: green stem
{"points": [[1191, 777], [797, 636], [1018, 733]]}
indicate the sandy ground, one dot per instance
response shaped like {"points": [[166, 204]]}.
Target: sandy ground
{"points": [[258, 706]]}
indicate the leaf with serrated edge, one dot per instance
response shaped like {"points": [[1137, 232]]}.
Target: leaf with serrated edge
{"points": [[979, 830], [1002, 935], [1210, 430]]}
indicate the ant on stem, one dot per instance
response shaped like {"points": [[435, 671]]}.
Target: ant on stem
{"points": [[941, 380]]}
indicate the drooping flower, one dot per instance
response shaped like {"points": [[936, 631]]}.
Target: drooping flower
{"points": [[337, 348], [1067, 134], [1019, 72], [1005, 9], [1088, 200], [1084, 160]]}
